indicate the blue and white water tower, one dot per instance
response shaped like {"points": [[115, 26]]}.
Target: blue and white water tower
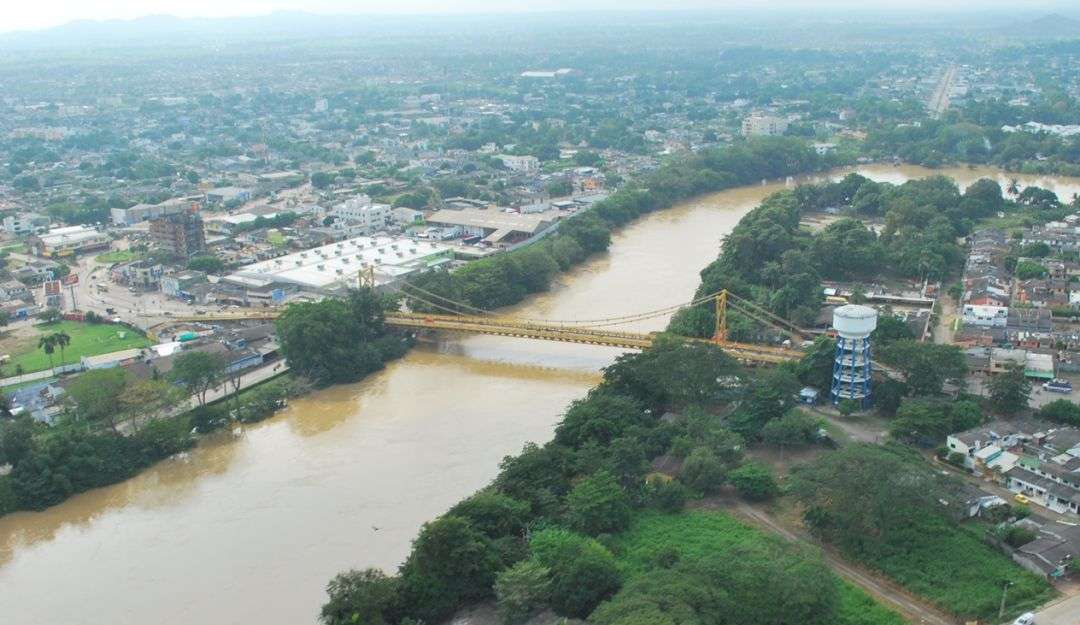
{"points": [[852, 366]]}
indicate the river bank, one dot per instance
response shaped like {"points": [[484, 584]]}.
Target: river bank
{"points": [[251, 528]]}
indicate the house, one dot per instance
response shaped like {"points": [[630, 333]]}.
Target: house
{"points": [[1055, 545], [41, 400]]}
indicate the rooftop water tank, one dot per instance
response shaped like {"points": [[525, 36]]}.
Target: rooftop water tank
{"points": [[854, 321]]}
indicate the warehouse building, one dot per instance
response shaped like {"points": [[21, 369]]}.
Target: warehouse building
{"points": [[338, 266]]}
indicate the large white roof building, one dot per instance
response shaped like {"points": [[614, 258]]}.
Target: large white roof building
{"points": [[338, 265]]}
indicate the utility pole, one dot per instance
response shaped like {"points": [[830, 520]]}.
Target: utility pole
{"points": [[1004, 591]]}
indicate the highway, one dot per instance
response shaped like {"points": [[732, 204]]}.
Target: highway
{"points": [[939, 99]]}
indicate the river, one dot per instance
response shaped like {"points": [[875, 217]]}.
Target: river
{"points": [[249, 529]]}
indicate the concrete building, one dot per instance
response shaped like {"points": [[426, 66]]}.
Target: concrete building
{"points": [[22, 224], [763, 126], [180, 285], [68, 241], [336, 266], [145, 212], [180, 234], [363, 215], [520, 164]]}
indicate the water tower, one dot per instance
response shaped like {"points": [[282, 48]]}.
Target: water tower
{"points": [[851, 368]]}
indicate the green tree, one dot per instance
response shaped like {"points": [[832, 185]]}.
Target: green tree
{"points": [[597, 505], [1061, 411], [754, 481], [926, 366], [451, 563], [206, 263], [322, 180], [583, 572], [703, 471], [61, 340], [197, 372], [862, 495], [47, 344], [335, 341], [96, 394], [50, 315], [1027, 269], [1010, 391], [929, 420], [367, 597], [522, 590], [794, 429]]}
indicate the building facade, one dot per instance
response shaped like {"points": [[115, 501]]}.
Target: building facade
{"points": [[180, 234]]}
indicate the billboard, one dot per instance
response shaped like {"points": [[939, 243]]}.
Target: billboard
{"points": [[52, 287], [71, 279]]}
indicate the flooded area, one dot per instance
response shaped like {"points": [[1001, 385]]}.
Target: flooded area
{"points": [[250, 529]]}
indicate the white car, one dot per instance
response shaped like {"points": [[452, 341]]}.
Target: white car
{"points": [[1027, 618]]}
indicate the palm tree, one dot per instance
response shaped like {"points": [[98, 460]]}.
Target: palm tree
{"points": [[48, 344], [63, 339]]}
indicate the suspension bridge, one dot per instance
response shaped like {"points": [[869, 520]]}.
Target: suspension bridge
{"points": [[451, 316]]}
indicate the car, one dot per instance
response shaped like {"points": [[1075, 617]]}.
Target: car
{"points": [[1027, 618], [1021, 498], [1057, 385]]}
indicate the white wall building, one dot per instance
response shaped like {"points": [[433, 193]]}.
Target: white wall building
{"points": [[362, 215], [986, 316], [338, 265]]}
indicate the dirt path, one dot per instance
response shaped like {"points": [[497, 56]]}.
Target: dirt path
{"points": [[945, 329], [910, 607]]}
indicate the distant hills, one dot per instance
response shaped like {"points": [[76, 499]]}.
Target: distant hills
{"points": [[1053, 25]]}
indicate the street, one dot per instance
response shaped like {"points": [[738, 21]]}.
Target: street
{"points": [[1064, 612]]}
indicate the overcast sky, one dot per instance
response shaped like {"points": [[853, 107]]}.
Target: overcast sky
{"points": [[37, 14]]}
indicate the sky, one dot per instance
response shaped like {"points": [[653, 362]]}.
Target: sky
{"points": [[39, 14]]}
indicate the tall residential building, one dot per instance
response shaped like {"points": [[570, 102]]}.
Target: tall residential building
{"points": [[763, 125], [180, 233]]}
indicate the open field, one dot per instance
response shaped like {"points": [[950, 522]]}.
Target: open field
{"points": [[87, 339], [116, 256], [703, 532]]}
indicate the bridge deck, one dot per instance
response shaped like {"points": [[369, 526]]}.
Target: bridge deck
{"points": [[507, 326]]}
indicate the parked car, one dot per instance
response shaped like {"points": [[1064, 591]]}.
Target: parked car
{"points": [[1021, 498], [1057, 385], [1027, 618]]}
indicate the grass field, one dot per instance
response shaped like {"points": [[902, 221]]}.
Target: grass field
{"points": [[951, 566], [116, 256], [699, 533], [87, 339]]}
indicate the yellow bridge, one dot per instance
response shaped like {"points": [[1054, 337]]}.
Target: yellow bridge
{"points": [[590, 332]]}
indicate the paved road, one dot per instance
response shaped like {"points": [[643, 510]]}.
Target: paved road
{"points": [[939, 100], [1064, 612], [911, 607]]}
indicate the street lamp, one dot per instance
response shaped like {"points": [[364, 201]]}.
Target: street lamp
{"points": [[1004, 591]]}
